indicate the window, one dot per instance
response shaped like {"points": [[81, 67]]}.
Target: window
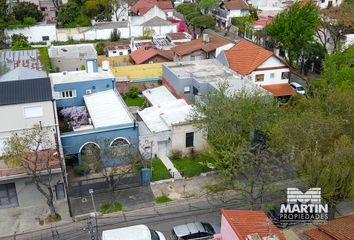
{"points": [[259, 77], [272, 75], [120, 53], [285, 75], [187, 89], [192, 58], [59, 191], [190, 139], [114, 51], [8, 195], [68, 94], [45, 38], [33, 111], [195, 91]]}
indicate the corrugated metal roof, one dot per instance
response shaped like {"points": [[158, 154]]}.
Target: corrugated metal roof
{"points": [[158, 95], [25, 91], [22, 73]]}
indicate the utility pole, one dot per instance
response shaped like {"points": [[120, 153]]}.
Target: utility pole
{"points": [[95, 212]]}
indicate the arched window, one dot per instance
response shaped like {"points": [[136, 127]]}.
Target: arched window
{"points": [[120, 146]]}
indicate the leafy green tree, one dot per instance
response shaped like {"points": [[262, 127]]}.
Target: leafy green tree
{"points": [[186, 8], [68, 12], [294, 29], [100, 10], [253, 13], [207, 5], [237, 127], [243, 23], [203, 22], [317, 135], [26, 9], [100, 48], [192, 15], [115, 35], [133, 92], [20, 42], [29, 21]]}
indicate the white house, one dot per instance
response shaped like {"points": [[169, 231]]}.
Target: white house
{"points": [[114, 50], [38, 33], [229, 9], [164, 126], [258, 65]]}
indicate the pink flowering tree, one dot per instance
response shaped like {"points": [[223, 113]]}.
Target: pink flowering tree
{"points": [[75, 116]]}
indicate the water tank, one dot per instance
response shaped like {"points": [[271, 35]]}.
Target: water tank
{"points": [[105, 65]]}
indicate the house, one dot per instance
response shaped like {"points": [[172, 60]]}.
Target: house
{"points": [[341, 228], [191, 80], [151, 55], [103, 114], [328, 3], [114, 50], [229, 9], [204, 47], [22, 58], [42, 32], [71, 57], [164, 125], [24, 103], [247, 225], [141, 7], [258, 65]]}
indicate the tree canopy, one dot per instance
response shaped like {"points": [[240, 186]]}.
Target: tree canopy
{"points": [[186, 8], [207, 5], [22, 10], [203, 22]]}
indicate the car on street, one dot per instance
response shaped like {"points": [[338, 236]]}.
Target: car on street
{"points": [[274, 215], [194, 230], [137, 232], [298, 88]]}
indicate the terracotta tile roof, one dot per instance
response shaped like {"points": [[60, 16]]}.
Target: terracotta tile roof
{"points": [[143, 6], [245, 57], [199, 44], [262, 22], [339, 229], [177, 36], [41, 165], [279, 90], [246, 222], [236, 4], [143, 54], [118, 46]]}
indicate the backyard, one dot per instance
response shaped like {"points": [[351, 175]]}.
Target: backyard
{"points": [[190, 166], [137, 101]]}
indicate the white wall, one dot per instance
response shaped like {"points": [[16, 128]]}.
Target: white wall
{"points": [[223, 48], [146, 141], [35, 33], [114, 53], [178, 139]]}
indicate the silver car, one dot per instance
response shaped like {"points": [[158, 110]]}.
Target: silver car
{"points": [[194, 230]]}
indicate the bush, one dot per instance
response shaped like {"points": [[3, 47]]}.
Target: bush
{"points": [[29, 21], [109, 208], [100, 48], [133, 92], [83, 67], [176, 154], [115, 35], [81, 169], [162, 199]]}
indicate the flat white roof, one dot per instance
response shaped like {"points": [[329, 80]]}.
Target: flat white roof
{"points": [[107, 109], [79, 76], [160, 118], [158, 95]]}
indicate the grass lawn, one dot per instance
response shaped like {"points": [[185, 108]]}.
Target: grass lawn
{"points": [[109, 208], [44, 58], [159, 171], [162, 199], [190, 167], [139, 101]]}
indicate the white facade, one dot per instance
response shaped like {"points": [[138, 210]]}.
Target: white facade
{"points": [[327, 3], [37, 33], [273, 70], [178, 139], [118, 52]]}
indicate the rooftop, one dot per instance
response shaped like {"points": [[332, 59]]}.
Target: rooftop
{"points": [[212, 72], [140, 72], [143, 54], [118, 46], [85, 51], [21, 58], [178, 36], [107, 109], [215, 41], [247, 222], [156, 22], [143, 6], [158, 95], [245, 57], [236, 5], [279, 90], [25, 91], [22, 73], [79, 76]]}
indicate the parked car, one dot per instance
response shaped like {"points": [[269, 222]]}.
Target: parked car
{"points": [[274, 215], [298, 88], [194, 230], [137, 232]]}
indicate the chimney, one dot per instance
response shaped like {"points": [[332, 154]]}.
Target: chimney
{"points": [[206, 38]]}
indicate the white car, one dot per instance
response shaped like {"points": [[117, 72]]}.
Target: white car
{"points": [[298, 88], [137, 232]]}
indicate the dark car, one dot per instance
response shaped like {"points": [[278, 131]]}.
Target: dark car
{"points": [[194, 230], [274, 215]]}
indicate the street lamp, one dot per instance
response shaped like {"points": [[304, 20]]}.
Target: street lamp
{"points": [[94, 209]]}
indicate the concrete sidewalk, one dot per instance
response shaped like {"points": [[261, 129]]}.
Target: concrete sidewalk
{"points": [[169, 165]]}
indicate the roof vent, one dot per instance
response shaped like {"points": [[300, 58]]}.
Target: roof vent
{"points": [[206, 38], [64, 73]]}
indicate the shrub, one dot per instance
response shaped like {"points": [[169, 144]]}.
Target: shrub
{"points": [[81, 169], [176, 154], [115, 35], [29, 21], [109, 208], [83, 67], [162, 199], [133, 92], [100, 48]]}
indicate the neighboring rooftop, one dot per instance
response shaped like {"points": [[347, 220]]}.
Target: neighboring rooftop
{"points": [[158, 95], [143, 6], [107, 109], [178, 36], [21, 58], [25, 91], [79, 76], [245, 57], [22, 73], [118, 46], [246, 222], [341, 228], [279, 90], [156, 22], [214, 42], [212, 72], [235, 5], [143, 54], [84, 51]]}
